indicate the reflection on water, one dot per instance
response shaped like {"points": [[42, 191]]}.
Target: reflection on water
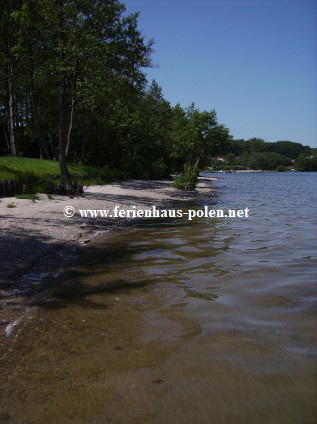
{"points": [[208, 321]]}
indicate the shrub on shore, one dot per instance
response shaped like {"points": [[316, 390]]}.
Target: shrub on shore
{"points": [[187, 180]]}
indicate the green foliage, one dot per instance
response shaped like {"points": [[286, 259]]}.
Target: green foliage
{"points": [[138, 134], [258, 154], [288, 148], [253, 159], [87, 53], [267, 160], [187, 180], [11, 205], [195, 137], [306, 163], [257, 145], [281, 168], [221, 166], [30, 196], [230, 159]]}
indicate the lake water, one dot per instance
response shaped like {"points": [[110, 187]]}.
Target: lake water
{"points": [[171, 321]]}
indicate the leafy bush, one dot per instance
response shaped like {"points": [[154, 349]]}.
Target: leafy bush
{"points": [[187, 180], [281, 168]]}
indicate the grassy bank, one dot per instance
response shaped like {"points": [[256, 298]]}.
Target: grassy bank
{"points": [[42, 173]]}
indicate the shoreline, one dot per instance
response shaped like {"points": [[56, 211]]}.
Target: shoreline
{"points": [[34, 234]]}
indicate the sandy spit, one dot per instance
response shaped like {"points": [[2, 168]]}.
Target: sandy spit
{"points": [[33, 233]]}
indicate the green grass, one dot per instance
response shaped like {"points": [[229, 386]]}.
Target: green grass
{"points": [[43, 173], [30, 196], [11, 168]]}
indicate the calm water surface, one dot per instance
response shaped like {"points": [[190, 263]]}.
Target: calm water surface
{"points": [[170, 321]]}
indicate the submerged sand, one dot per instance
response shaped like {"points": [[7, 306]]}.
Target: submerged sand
{"points": [[33, 232]]}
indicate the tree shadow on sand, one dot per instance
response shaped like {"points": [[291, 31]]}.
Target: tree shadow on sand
{"points": [[36, 284]]}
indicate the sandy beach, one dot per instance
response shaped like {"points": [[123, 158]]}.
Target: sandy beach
{"points": [[32, 233]]}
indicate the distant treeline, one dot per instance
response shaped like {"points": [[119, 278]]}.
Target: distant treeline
{"points": [[255, 153]]}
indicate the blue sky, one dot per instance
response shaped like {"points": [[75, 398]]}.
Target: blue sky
{"points": [[254, 61]]}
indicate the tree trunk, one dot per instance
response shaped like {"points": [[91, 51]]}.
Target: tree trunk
{"points": [[198, 159], [83, 151], [35, 108], [82, 139], [70, 127], [51, 143], [76, 147], [43, 150], [11, 112], [6, 139], [66, 178], [8, 68], [72, 109]]}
